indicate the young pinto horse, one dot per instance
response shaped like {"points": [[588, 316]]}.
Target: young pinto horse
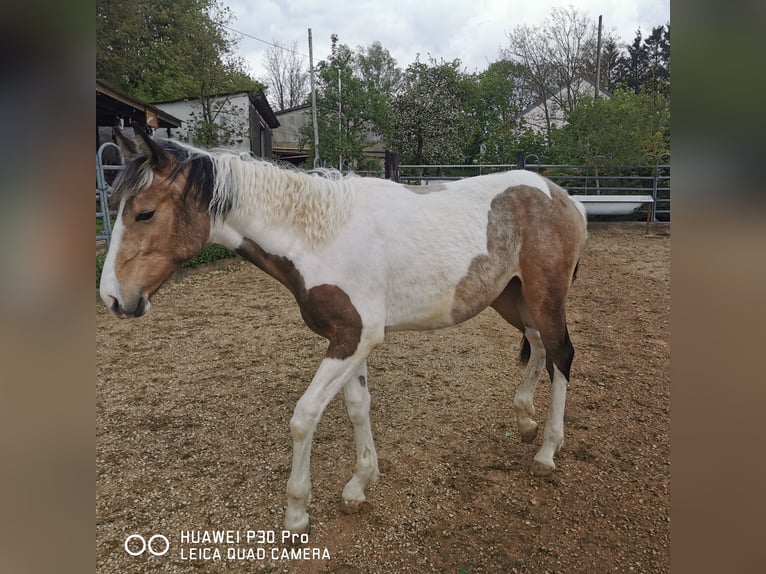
{"points": [[361, 256]]}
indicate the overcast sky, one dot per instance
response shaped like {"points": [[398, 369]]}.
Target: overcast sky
{"points": [[472, 30]]}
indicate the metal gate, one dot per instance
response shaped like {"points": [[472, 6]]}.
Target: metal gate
{"points": [[103, 189]]}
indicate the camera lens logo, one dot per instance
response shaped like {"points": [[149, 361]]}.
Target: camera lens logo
{"points": [[142, 545]]}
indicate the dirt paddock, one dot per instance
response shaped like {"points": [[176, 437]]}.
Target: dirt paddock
{"points": [[193, 404]]}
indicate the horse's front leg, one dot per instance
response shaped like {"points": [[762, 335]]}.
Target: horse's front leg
{"points": [[332, 375], [357, 397]]}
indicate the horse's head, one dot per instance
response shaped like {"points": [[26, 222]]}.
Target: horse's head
{"points": [[160, 224]]}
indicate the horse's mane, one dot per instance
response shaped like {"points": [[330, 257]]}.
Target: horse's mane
{"points": [[234, 184]]}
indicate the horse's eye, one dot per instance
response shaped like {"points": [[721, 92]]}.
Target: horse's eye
{"points": [[145, 215]]}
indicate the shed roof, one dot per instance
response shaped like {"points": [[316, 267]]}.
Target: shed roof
{"points": [[112, 104]]}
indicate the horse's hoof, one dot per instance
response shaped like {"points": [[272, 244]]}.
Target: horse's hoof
{"points": [[352, 506], [542, 469], [528, 436], [302, 528]]}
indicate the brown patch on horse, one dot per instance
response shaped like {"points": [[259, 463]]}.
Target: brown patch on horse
{"points": [[542, 237], [154, 247], [526, 228], [326, 309], [547, 262]]}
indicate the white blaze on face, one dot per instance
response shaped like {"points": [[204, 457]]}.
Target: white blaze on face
{"points": [[109, 288]]}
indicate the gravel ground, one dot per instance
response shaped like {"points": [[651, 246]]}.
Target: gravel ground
{"points": [[193, 404]]}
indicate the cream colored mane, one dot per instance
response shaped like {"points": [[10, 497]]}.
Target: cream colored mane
{"points": [[315, 205]]}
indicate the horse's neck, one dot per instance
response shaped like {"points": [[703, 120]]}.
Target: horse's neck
{"points": [[280, 210]]}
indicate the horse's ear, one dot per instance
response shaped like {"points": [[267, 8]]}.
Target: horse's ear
{"points": [[147, 145], [127, 145]]}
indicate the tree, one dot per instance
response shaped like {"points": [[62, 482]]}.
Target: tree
{"points": [[497, 99], [610, 60], [287, 76], [657, 47], [352, 113], [377, 67], [161, 50], [381, 77], [556, 58], [613, 131], [633, 67], [432, 125]]}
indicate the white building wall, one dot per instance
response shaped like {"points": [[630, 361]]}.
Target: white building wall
{"points": [[235, 113], [535, 117]]}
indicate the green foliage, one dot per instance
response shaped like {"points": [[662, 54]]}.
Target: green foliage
{"points": [[433, 113], [496, 100], [433, 123], [351, 106], [646, 64], [159, 50], [615, 131], [377, 68], [531, 141], [100, 258], [210, 253]]}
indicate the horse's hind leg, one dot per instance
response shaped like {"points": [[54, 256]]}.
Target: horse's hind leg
{"points": [[549, 318], [523, 400], [510, 306], [357, 397]]}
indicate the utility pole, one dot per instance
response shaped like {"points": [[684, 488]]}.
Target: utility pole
{"points": [[313, 103], [598, 61], [340, 120]]}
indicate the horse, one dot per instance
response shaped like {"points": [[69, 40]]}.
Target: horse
{"points": [[361, 256]]}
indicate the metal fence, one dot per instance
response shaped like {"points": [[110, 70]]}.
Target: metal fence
{"points": [[651, 178], [103, 188]]}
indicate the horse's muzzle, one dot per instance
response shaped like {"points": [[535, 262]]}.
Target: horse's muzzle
{"points": [[131, 311]]}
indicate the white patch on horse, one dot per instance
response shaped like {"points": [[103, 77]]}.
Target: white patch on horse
{"points": [[109, 286], [553, 436], [524, 399]]}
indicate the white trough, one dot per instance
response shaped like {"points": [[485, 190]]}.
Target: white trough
{"points": [[613, 204]]}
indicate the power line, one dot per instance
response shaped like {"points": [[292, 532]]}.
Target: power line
{"points": [[265, 41]]}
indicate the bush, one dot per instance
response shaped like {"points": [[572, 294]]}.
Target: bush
{"points": [[209, 253]]}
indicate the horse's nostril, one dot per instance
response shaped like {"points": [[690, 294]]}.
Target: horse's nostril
{"points": [[115, 305], [140, 308]]}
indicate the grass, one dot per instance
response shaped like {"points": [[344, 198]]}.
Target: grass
{"points": [[209, 253]]}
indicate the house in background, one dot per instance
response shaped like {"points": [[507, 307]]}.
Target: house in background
{"points": [[245, 120], [286, 138], [553, 109]]}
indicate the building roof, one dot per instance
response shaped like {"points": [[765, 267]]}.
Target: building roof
{"points": [[292, 110], [112, 104], [586, 87]]}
